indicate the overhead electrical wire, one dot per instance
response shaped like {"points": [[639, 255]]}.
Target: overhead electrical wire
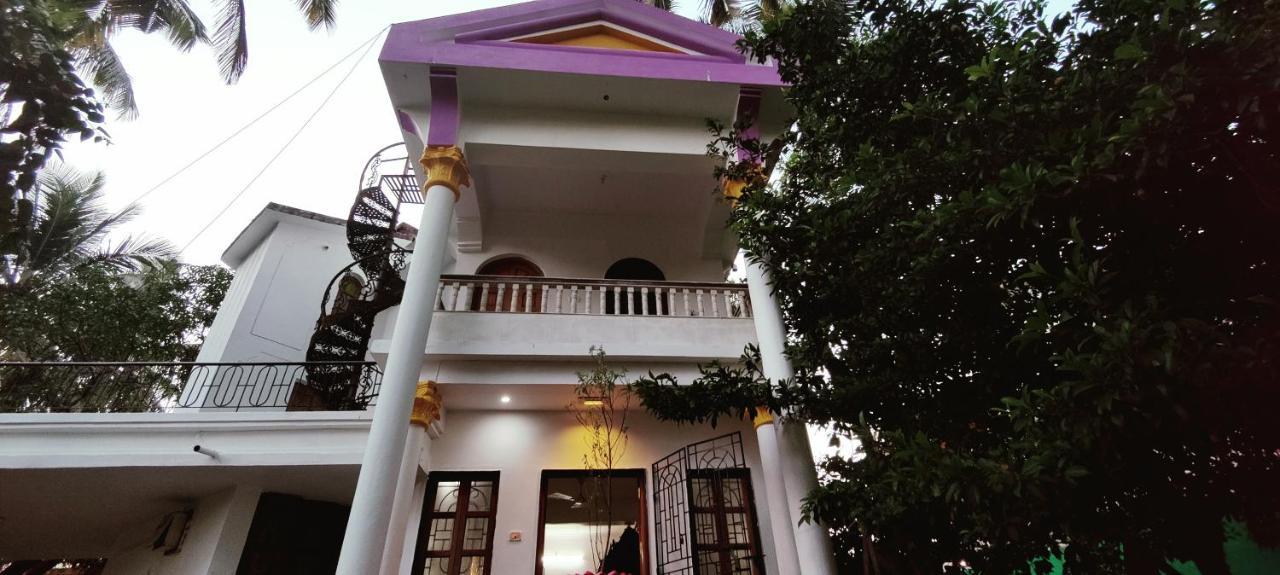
{"points": [[286, 145], [250, 124]]}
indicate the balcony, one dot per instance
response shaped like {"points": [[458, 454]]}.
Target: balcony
{"points": [[499, 294], [134, 387], [481, 319]]}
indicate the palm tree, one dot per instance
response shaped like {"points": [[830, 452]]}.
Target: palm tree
{"points": [[731, 15], [93, 23], [71, 228], [232, 40]]}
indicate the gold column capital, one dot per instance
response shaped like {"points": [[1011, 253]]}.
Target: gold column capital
{"points": [[733, 186], [426, 404], [763, 417], [445, 166]]}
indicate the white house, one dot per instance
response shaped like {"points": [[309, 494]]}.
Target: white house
{"points": [[376, 398]]}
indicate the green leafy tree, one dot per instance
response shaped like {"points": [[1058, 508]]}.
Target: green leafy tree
{"points": [[1031, 266], [100, 313], [42, 102], [70, 228]]}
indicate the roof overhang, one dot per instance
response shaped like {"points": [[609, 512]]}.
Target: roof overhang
{"points": [[500, 38], [262, 225]]}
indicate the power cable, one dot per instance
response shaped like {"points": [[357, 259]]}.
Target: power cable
{"points": [[250, 124], [286, 145]]}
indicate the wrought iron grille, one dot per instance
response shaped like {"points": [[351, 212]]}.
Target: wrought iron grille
{"points": [[673, 527], [90, 386]]}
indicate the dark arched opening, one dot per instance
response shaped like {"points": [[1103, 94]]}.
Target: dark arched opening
{"points": [[633, 269], [513, 298]]}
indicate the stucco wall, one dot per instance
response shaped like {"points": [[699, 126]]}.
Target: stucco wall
{"points": [[273, 303], [521, 444], [585, 245], [214, 540]]}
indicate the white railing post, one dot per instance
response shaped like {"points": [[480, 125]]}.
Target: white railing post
{"points": [[573, 299], [484, 296], [644, 301]]}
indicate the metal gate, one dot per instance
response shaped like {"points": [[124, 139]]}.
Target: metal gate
{"points": [[673, 529]]}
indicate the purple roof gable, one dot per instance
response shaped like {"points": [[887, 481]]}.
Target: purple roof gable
{"points": [[471, 39]]}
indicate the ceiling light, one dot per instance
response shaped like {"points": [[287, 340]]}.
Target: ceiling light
{"points": [[592, 402], [505, 399]]}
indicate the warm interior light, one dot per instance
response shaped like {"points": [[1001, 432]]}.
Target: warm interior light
{"points": [[592, 402], [505, 399]]}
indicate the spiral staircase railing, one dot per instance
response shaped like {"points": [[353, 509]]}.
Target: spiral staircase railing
{"points": [[362, 289]]}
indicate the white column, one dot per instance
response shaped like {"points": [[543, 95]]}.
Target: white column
{"points": [[415, 520], [402, 505], [799, 475], [784, 540], [366, 534]]}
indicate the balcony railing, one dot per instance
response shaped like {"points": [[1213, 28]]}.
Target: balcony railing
{"points": [[506, 294], [80, 386]]}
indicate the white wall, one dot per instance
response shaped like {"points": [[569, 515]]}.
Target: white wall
{"points": [[514, 336], [215, 538], [272, 306], [570, 245], [520, 444]]}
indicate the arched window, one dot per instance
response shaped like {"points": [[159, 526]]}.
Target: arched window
{"points": [[510, 266], [634, 269], [512, 296]]}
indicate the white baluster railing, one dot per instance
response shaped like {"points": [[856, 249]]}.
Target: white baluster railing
{"points": [[533, 295]]}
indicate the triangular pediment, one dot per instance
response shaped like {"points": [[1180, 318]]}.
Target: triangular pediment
{"points": [[602, 36]]}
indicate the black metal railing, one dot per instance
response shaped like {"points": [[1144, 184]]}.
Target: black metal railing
{"points": [[92, 386]]}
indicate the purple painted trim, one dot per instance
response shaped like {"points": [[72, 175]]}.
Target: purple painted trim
{"points": [[406, 123], [748, 112], [698, 42], [601, 51], [443, 128], [433, 42], [512, 56]]}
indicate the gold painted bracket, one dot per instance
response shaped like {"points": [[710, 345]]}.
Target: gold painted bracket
{"points": [[427, 403], [733, 187], [763, 417], [445, 166]]}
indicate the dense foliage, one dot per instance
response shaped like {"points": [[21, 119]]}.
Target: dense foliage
{"points": [[1031, 265], [98, 313], [42, 102]]}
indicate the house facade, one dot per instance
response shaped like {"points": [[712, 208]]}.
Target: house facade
{"points": [[397, 391]]}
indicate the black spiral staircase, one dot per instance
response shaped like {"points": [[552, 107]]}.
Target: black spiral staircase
{"points": [[358, 292]]}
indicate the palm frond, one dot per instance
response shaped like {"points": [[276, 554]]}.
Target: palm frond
{"points": [[720, 12], [102, 64], [73, 226], [71, 212], [319, 12], [231, 39], [180, 23], [668, 5], [133, 254], [771, 8]]}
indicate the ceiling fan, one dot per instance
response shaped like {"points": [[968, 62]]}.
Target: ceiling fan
{"points": [[574, 503]]}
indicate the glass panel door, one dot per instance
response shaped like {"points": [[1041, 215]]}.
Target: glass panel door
{"points": [[455, 536], [722, 519]]}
